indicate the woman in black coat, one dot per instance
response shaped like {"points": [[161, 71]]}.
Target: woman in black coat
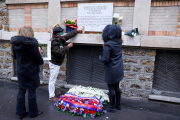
{"points": [[25, 51], [112, 59]]}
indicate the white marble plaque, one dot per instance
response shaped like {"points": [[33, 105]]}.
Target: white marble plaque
{"points": [[94, 16]]}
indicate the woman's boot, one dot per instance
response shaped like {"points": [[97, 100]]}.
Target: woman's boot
{"points": [[118, 100], [111, 107]]}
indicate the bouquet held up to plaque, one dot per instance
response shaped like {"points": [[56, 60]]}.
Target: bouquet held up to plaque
{"points": [[70, 25]]}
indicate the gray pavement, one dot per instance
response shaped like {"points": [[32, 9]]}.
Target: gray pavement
{"points": [[131, 109]]}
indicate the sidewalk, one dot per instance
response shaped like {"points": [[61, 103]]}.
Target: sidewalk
{"points": [[131, 109]]}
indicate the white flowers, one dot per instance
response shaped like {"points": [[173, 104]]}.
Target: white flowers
{"points": [[89, 92], [117, 19]]}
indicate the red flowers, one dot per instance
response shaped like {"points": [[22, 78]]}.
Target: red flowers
{"points": [[62, 106], [93, 112], [91, 103], [86, 111]]}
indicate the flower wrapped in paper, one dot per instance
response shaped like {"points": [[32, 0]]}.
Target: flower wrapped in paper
{"points": [[133, 32]]}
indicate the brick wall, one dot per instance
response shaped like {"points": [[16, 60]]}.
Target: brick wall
{"points": [[164, 19], [138, 72], [37, 20]]}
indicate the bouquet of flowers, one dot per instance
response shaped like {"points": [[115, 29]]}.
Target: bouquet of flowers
{"points": [[117, 19], [70, 23], [75, 105], [133, 32], [89, 92]]}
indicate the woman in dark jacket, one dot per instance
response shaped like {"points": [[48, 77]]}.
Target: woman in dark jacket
{"points": [[112, 59], [25, 51]]}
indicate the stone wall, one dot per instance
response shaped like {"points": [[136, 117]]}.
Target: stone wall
{"points": [[61, 79], [138, 72], [4, 21], [6, 60]]}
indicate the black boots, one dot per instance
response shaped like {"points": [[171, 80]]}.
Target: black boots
{"points": [[118, 100], [115, 102], [111, 107]]}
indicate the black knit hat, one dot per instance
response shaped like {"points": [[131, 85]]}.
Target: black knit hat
{"points": [[57, 30]]}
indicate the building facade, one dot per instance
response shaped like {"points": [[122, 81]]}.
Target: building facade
{"points": [[150, 60]]}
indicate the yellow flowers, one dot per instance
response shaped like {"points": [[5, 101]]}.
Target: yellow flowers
{"points": [[72, 22]]}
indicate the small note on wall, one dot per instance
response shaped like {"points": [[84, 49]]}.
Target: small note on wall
{"points": [[94, 16]]}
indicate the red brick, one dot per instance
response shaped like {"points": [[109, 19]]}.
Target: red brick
{"points": [[169, 3], [166, 3], [156, 33], [160, 33], [163, 33], [157, 3], [154, 3], [178, 35], [166, 33], [133, 3], [178, 32], [169, 33]]}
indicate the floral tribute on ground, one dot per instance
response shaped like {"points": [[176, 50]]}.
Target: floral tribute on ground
{"points": [[88, 106]]}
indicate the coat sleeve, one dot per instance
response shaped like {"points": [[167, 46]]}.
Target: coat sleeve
{"points": [[106, 54], [56, 50], [38, 56], [14, 52], [70, 35]]}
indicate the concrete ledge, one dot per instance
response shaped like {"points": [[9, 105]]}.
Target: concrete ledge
{"points": [[97, 39], [164, 98], [160, 41], [71, 86], [38, 35], [25, 1]]}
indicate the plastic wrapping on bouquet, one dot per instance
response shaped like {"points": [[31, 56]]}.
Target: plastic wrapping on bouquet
{"points": [[69, 29]]}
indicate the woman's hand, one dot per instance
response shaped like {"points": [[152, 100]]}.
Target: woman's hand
{"points": [[70, 45], [80, 30]]}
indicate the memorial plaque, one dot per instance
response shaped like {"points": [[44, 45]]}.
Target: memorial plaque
{"points": [[94, 16]]}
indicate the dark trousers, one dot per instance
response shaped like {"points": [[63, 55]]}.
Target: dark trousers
{"points": [[32, 103], [114, 97], [113, 88]]}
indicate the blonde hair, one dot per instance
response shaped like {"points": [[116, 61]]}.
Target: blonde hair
{"points": [[26, 31]]}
